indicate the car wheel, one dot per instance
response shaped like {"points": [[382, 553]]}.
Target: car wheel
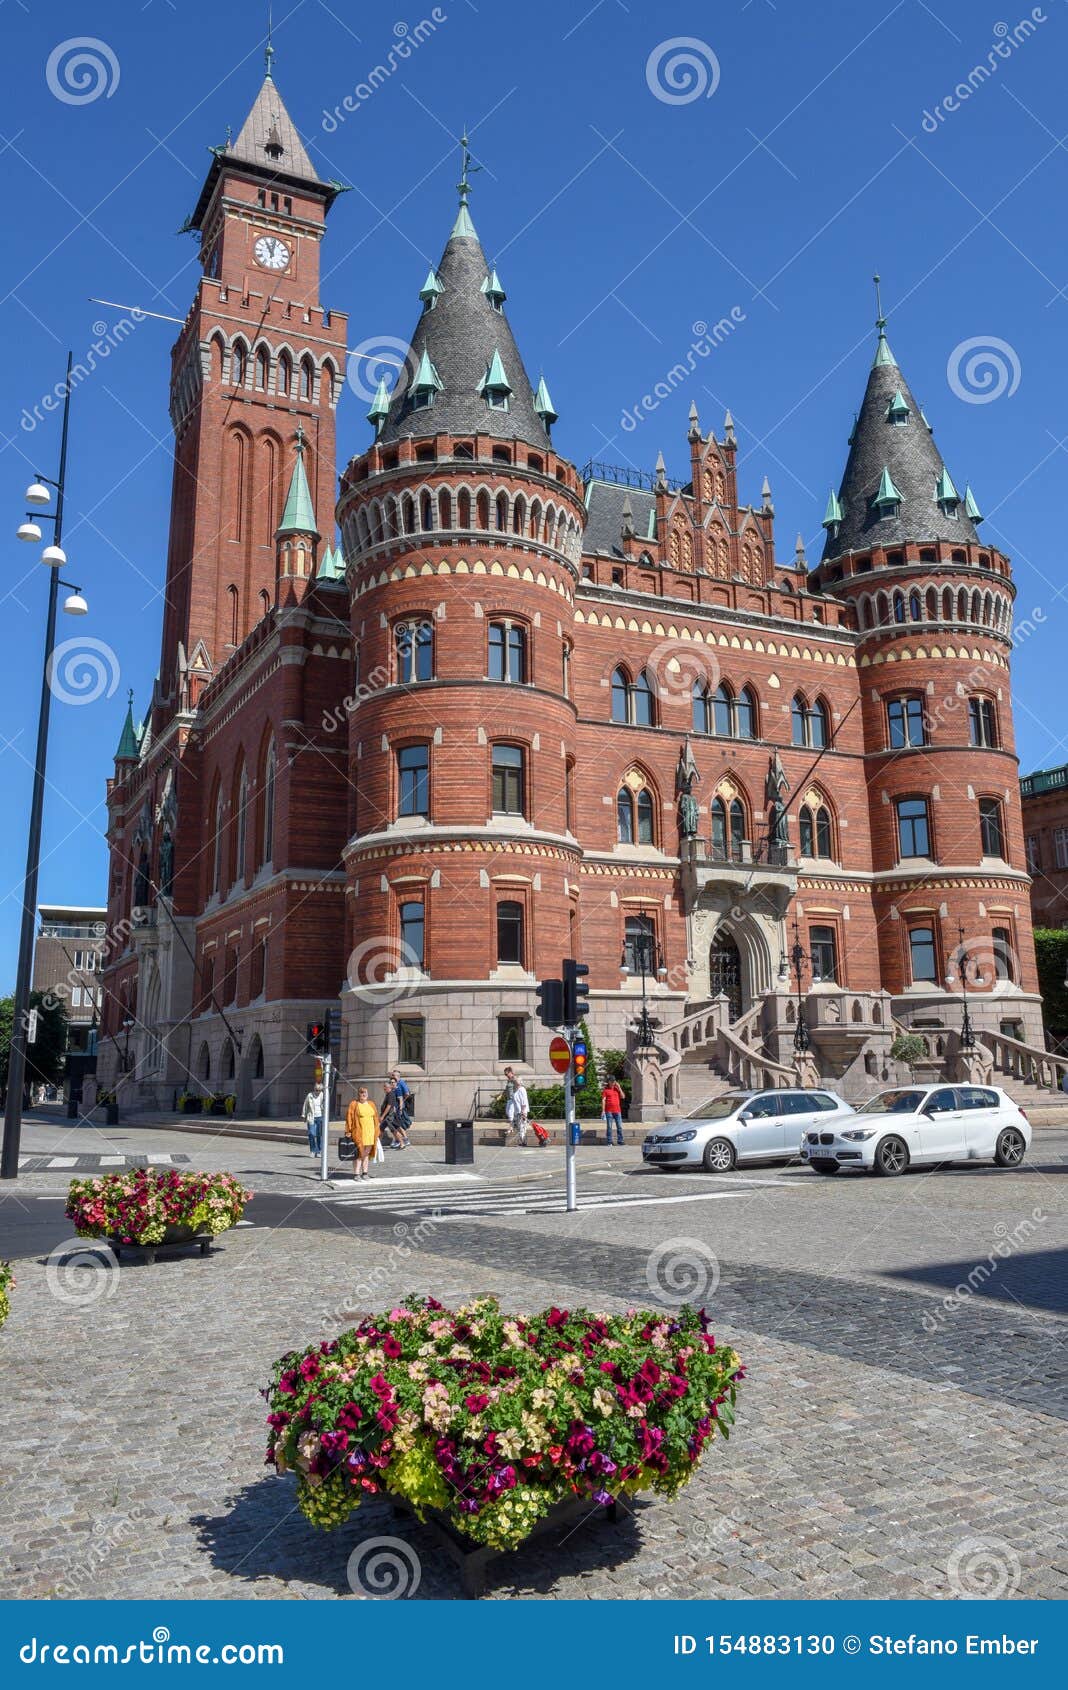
{"points": [[891, 1156], [720, 1156], [1010, 1148]]}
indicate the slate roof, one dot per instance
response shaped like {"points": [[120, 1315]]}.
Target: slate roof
{"points": [[913, 460], [267, 122], [460, 336], [604, 521]]}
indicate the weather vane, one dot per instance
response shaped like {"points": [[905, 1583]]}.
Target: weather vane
{"points": [[463, 186], [880, 320], [268, 52]]}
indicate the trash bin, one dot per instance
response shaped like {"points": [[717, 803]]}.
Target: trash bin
{"points": [[459, 1141], [576, 1133]]}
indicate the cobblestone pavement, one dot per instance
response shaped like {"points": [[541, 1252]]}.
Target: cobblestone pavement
{"points": [[901, 1431]]}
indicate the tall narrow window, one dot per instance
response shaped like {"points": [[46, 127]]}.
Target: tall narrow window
{"points": [[305, 378], [216, 874], [508, 652], [913, 831], [745, 714], [240, 828], [905, 721], [508, 780], [645, 817], [701, 712], [1003, 954], [262, 369], [721, 711], [823, 952], [412, 930], [818, 723], [565, 679], [270, 776], [728, 829], [982, 722], [639, 944], [510, 932], [644, 703], [237, 364], [233, 605], [413, 780], [569, 794], [414, 644], [620, 695], [991, 830], [797, 720], [922, 958], [624, 816]]}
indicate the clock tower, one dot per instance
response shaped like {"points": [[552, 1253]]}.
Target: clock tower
{"points": [[258, 362]]}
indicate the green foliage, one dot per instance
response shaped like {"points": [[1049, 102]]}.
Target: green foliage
{"points": [[7, 1279], [1051, 954], [908, 1048], [45, 1058]]}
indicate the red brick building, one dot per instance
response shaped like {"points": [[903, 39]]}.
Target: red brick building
{"points": [[523, 711], [1044, 795]]}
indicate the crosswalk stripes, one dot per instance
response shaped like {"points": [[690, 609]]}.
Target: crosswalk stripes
{"points": [[426, 1198], [90, 1163]]}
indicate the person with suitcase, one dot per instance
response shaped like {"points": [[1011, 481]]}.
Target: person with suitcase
{"points": [[517, 1105]]}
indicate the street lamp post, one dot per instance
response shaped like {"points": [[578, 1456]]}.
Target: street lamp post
{"points": [[798, 959], [649, 958], [963, 961], [53, 556]]}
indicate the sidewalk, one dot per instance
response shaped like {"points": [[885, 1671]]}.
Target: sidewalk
{"points": [[492, 1133]]}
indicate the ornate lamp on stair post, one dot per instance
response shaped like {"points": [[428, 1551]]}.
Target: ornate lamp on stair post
{"points": [[649, 959], [798, 959], [963, 961]]}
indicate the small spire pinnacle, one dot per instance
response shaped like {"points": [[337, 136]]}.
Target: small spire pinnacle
{"points": [[463, 224], [301, 439], [765, 495], [661, 473], [880, 320], [800, 560], [268, 51], [728, 429], [693, 433]]}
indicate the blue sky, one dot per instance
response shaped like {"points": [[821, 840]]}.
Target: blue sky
{"points": [[797, 152]]}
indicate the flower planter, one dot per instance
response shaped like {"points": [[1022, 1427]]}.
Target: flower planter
{"points": [[473, 1562], [7, 1279], [191, 1106], [149, 1212], [492, 1427]]}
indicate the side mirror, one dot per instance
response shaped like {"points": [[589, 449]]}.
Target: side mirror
{"points": [[745, 1116]]}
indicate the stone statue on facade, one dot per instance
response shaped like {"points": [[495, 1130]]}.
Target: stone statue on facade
{"points": [[686, 778], [776, 790]]}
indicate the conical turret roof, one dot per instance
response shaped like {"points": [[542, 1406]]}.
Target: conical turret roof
{"points": [[461, 340], [299, 514], [267, 142], [905, 454], [128, 739]]}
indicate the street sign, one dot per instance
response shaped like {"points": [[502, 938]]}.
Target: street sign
{"points": [[560, 1054], [31, 1027]]}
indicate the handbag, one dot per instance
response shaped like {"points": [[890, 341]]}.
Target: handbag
{"points": [[346, 1148], [380, 1154]]}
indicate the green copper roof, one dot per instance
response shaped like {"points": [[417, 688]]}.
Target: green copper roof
{"points": [[971, 509], [463, 224], [888, 494], [299, 514], [431, 287], [883, 354], [129, 736], [426, 376], [945, 492], [833, 513], [897, 407], [544, 405], [332, 567], [495, 380], [379, 404], [493, 290]]}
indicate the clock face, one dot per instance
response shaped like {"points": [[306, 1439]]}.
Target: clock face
{"points": [[271, 252]]}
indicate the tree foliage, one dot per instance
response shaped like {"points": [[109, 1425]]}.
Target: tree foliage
{"points": [[45, 1057], [1051, 954]]}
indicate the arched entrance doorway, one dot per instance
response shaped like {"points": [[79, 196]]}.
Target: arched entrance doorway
{"points": [[725, 972]]}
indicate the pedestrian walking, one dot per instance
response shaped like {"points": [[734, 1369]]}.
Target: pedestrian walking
{"points": [[313, 1119], [363, 1127], [516, 1104], [398, 1100], [612, 1106]]}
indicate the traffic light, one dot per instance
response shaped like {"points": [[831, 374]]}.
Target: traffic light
{"points": [[576, 992], [578, 1059], [550, 996], [318, 1037]]}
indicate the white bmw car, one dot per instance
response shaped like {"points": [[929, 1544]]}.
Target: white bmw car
{"points": [[922, 1125]]}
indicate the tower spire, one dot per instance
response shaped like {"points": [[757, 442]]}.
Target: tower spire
{"points": [[268, 51], [463, 224], [883, 354]]}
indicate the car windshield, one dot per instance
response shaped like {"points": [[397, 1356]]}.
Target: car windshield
{"points": [[721, 1107], [893, 1103]]}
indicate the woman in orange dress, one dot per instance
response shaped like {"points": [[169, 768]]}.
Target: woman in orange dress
{"points": [[362, 1126]]}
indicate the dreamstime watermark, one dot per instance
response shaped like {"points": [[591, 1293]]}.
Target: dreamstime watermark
{"points": [[381, 357], [681, 70], [79, 1272], [336, 718], [1003, 47], [384, 1568], [105, 341], [682, 1270], [409, 1239], [984, 1569], [980, 1275], [81, 70], [81, 670], [983, 369], [406, 41], [409, 637], [81, 1578], [677, 666], [383, 969], [110, 940], [706, 338]]}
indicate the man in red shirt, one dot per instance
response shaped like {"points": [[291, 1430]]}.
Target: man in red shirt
{"points": [[612, 1105]]}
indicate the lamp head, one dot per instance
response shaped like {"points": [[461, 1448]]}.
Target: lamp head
{"points": [[75, 605], [38, 494], [29, 531], [54, 556]]}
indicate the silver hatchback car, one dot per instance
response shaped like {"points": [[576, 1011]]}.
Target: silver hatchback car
{"points": [[743, 1126]]}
